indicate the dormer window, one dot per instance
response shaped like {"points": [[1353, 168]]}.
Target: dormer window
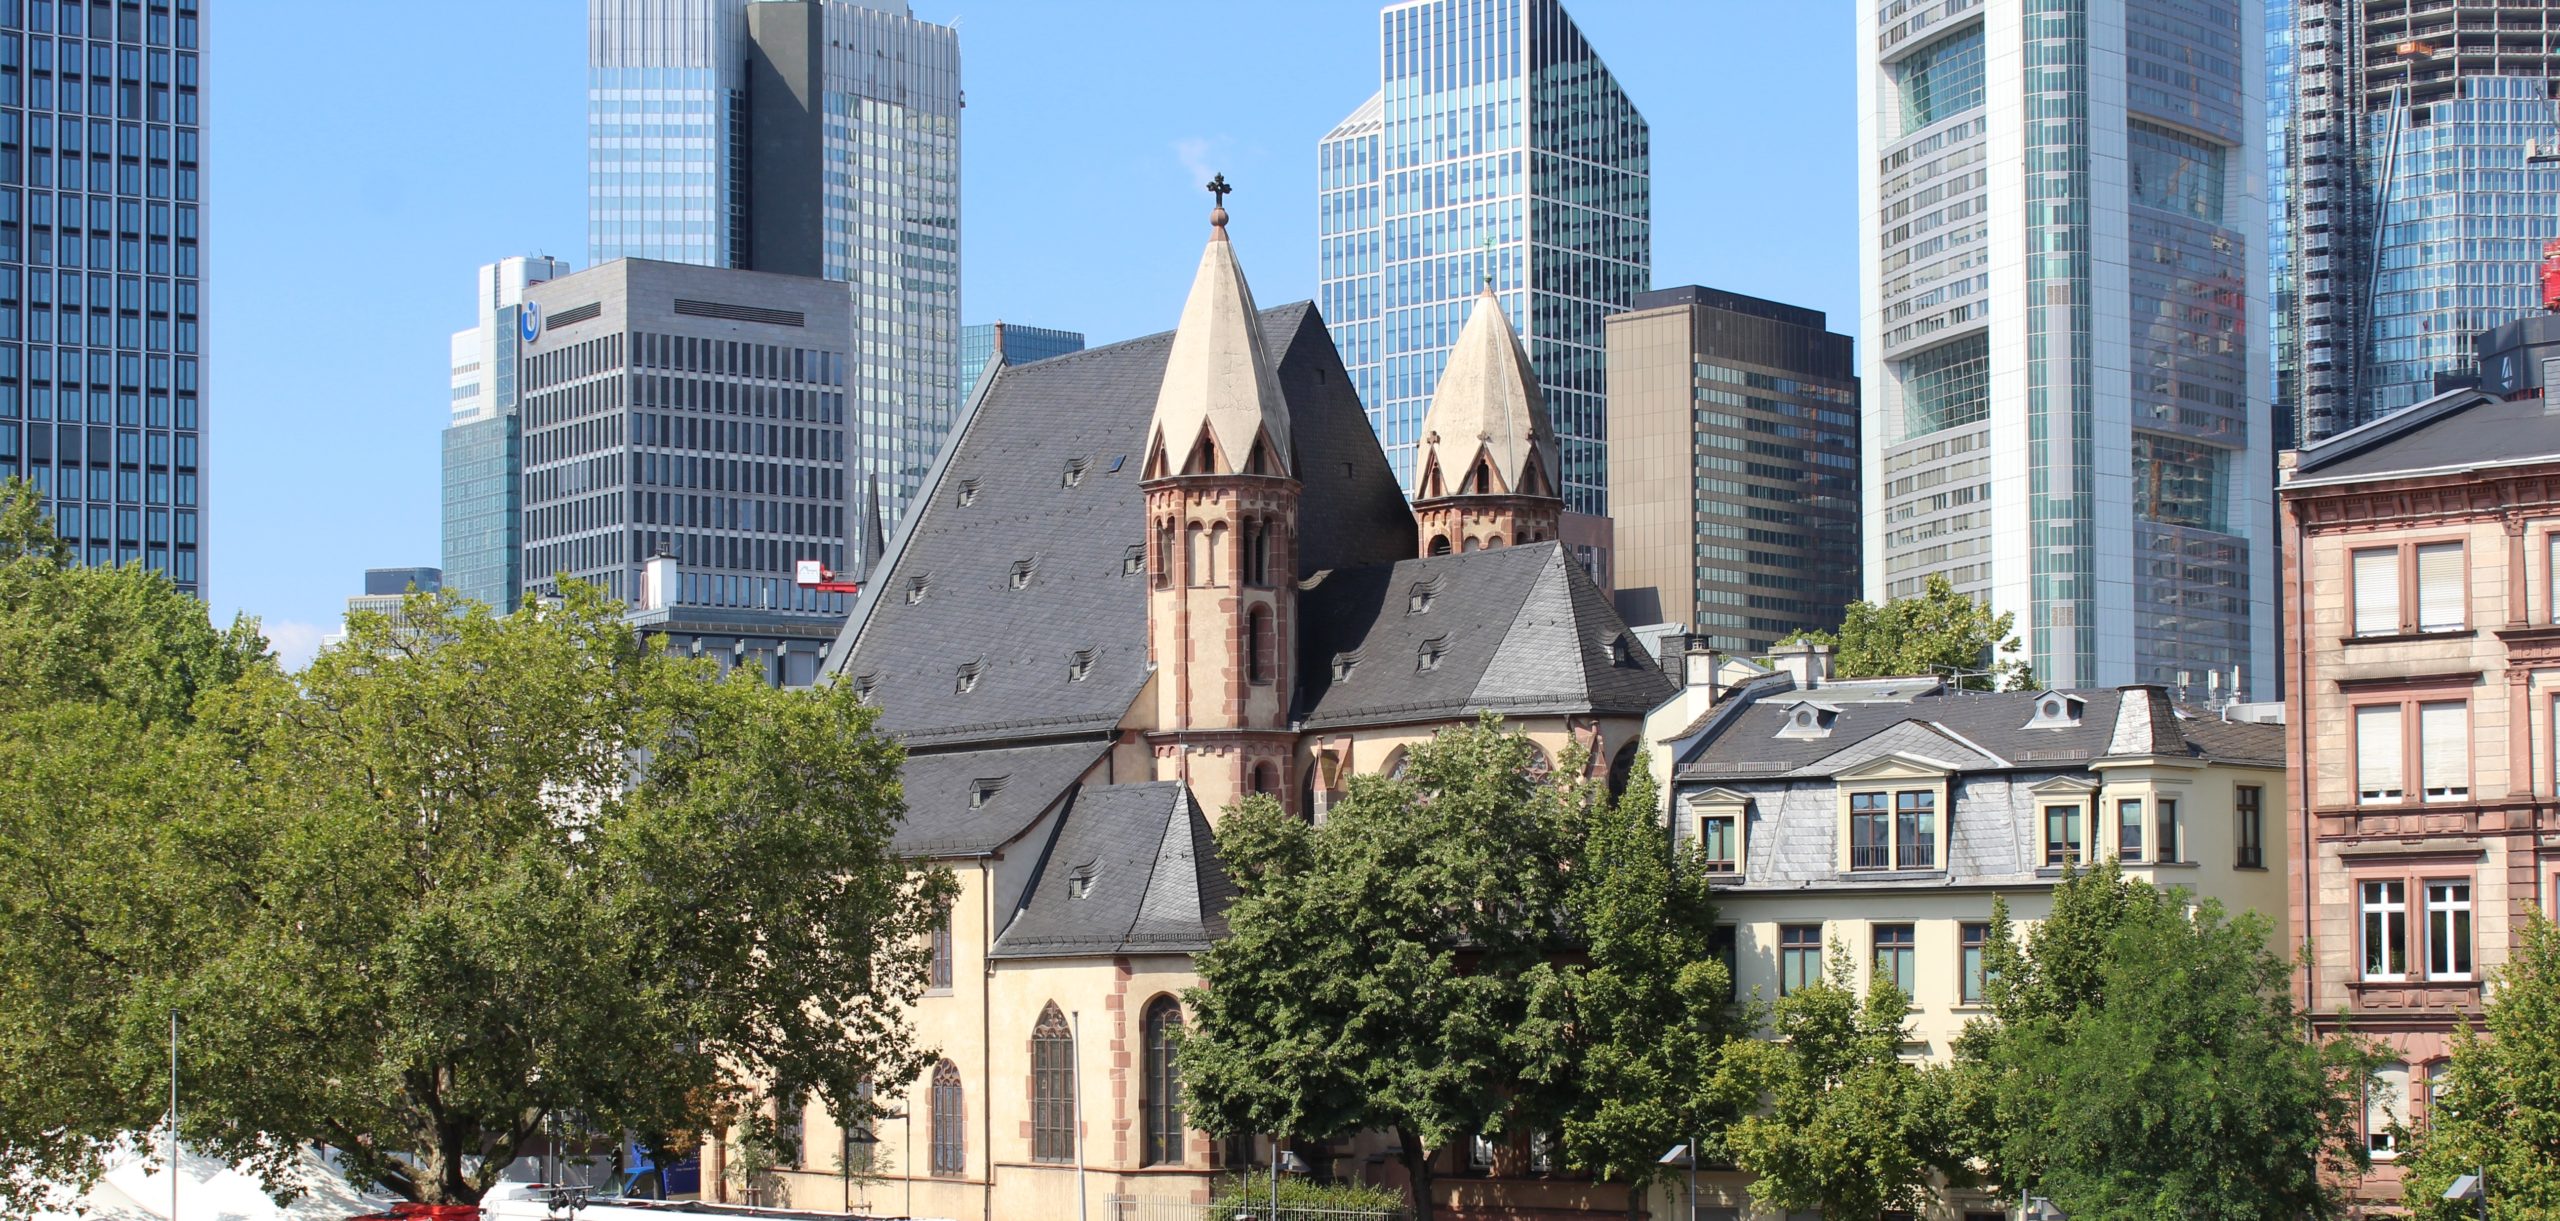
{"points": [[968, 492], [1717, 823], [1020, 578], [1079, 665], [1428, 657], [1134, 560], [968, 680], [1418, 599], [2056, 710], [984, 790], [915, 588], [1622, 650], [1075, 472], [1809, 719], [864, 686], [1080, 883], [1343, 664]]}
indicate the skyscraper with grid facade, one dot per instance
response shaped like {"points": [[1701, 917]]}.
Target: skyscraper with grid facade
{"points": [[1498, 149], [2062, 268], [101, 390], [807, 137]]}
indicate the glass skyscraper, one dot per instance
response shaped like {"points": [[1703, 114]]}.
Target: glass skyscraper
{"points": [[483, 453], [101, 386], [2413, 209], [1020, 345], [806, 137], [1497, 149], [2086, 447]]}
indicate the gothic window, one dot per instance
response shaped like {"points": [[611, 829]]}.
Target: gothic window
{"points": [[1258, 645], [1195, 554], [1161, 1092], [940, 968], [1053, 1107], [1204, 458], [1480, 479], [1221, 555], [1164, 554], [1266, 779], [950, 1120]]}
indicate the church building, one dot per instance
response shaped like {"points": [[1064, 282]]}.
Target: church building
{"points": [[1142, 582]]}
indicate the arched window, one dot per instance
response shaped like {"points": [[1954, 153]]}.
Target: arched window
{"points": [[1394, 770], [1472, 544], [1439, 544], [1492, 541], [1480, 480], [1258, 645], [1164, 553], [1266, 779], [1622, 767], [1204, 458], [1221, 556], [950, 1120], [1195, 554], [1257, 551], [1053, 1105], [1160, 1094]]}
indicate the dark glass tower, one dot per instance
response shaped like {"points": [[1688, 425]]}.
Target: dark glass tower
{"points": [[100, 290]]}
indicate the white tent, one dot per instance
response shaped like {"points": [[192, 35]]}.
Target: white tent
{"points": [[136, 1188]]}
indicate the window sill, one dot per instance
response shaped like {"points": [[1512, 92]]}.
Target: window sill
{"points": [[2159, 864], [2434, 633]]}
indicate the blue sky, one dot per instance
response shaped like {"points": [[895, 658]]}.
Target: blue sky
{"points": [[367, 157]]}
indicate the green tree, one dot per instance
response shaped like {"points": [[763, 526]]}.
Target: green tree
{"points": [[461, 872], [2499, 1112], [1628, 1030], [2145, 1059], [1939, 632], [1846, 1125], [1375, 971]]}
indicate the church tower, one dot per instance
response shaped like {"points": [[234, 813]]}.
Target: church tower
{"points": [[1222, 520], [1486, 475]]}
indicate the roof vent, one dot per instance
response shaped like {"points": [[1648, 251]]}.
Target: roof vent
{"points": [[1021, 577], [915, 588], [984, 789], [1428, 657], [1075, 472], [969, 672], [1134, 560], [1079, 665], [968, 492], [1418, 599], [1343, 664]]}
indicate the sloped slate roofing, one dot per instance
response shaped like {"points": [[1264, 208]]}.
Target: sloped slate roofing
{"points": [[2456, 429], [1746, 746], [1131, 869], [944, 605], [946, 816], [1515, 630]]}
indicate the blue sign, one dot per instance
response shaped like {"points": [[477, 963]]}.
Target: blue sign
{"points": [[529, 323]]}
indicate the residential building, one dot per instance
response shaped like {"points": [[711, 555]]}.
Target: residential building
{"points": [[2063, 270], [1733, 466], [483, 465], [806, 137], [2422, 638], [1146, 580], [1013, 343], [101, 228], [1882, 818], [1498, 150], [687, 441], [2416, 156]]}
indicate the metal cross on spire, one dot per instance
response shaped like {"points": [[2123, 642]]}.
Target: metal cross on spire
{"points": [[1219, 190]]}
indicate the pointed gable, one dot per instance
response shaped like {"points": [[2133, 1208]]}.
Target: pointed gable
{"points": [[1487, 406], [1218, 380]]}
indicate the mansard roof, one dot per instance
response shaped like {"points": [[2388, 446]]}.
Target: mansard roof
{"points": [[1515, 630], [1130, 869], [2454, 432], [1975, 731], [1047, 458]]}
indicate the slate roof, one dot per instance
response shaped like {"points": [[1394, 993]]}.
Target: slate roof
{"points": [[1984, 730], [1514, 630], [943, 603], [2456, 430], [1131, 869], [946, 816]]}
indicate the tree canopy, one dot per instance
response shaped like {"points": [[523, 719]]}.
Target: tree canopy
{"points": [[2498, 1111], [1939, 632], [464, 870], [2144, 1058]]}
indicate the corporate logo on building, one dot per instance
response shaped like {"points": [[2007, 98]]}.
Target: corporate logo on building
{"points": [[529, 323]]}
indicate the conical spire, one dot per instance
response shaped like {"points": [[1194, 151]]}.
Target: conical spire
{"points": [[1218, 381], [1487, 403]]}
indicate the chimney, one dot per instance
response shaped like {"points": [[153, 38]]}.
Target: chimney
{"points": [[1808, 663], [1698, 662], [657, 583]]}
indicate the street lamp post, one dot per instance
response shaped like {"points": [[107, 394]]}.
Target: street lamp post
{"points": [[2472, 1187], [2042, 1209], [1686, 1155]]}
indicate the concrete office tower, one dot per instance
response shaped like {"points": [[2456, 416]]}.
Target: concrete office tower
{"points": [[685, 444], [2410, 202], [483, 471], [1733, 466], [808, 137], [2062, 272], [1497, 147], [1017, 344], [101, 391]]}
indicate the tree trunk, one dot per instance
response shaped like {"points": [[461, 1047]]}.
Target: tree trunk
{"points": [[1417, 1169]]}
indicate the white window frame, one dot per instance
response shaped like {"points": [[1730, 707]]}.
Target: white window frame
{"points": [[2449, 899], [1731, 841], [2134, 810], [2376, 899], [2379, 1138], [2367, 613], [2443, 604]]}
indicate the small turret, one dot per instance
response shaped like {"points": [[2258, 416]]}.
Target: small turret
{"points": [[1486, 475]]}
